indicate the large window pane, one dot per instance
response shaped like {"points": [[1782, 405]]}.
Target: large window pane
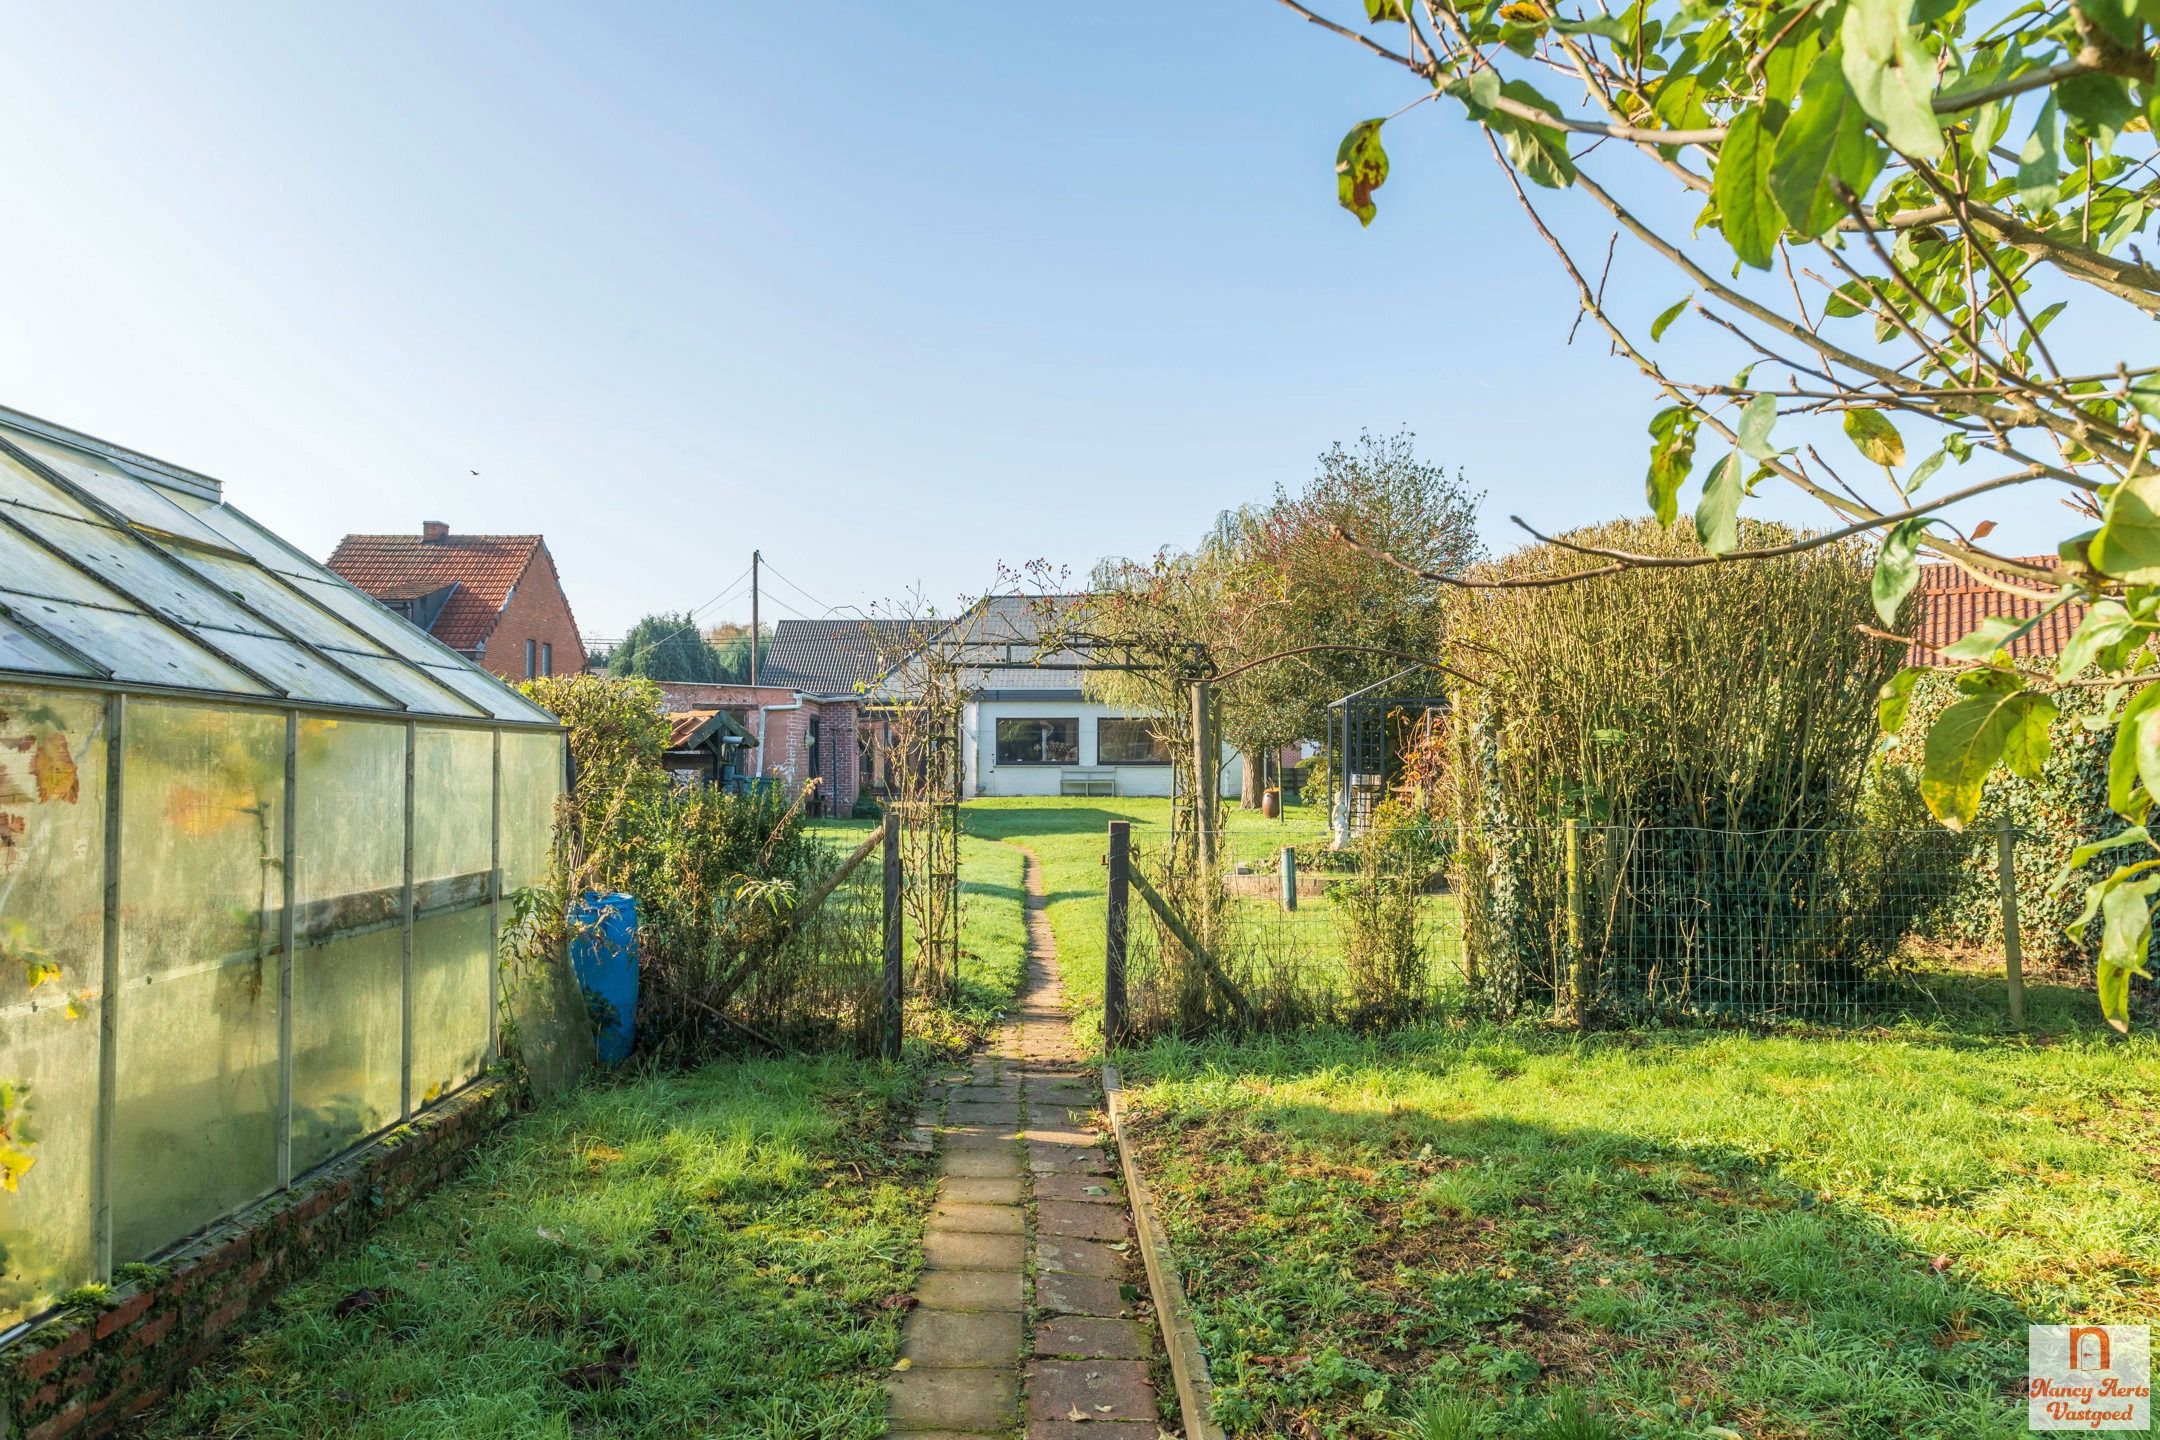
{"points": [[1035, 741], [202, 848], [1128, 742], [52, 923], [348, 993]]}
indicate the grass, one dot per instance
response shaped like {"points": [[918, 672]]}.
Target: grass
{"points": [[993, 916], [1072, 836], [1466, 1229], [1823, 1234], [718, 1254]]}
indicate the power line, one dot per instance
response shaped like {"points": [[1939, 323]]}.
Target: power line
{"points": [[828, 609]]}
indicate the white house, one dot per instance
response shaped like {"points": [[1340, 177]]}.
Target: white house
{"points": [[1027, 726]]}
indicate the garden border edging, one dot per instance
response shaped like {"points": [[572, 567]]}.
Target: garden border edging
{"points": [[1181, 1342]]}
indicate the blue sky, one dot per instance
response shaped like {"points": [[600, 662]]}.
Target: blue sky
{"points": [[896, 295]]}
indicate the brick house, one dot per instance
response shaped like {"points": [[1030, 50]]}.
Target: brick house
{"points": [[495, 599]]}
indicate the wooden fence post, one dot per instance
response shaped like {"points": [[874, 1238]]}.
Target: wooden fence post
{"points": [[1207, 765], [890, 1029], [1289, 877], [1114, 1013], [2013, 950], [1579, 966]]}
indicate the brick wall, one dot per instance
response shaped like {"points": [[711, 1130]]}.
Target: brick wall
{"points": [[537, 610], [83, 1374], [785, 751]]}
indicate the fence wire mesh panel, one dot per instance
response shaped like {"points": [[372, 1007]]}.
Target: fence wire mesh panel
{"points": [[1817, 924], [1374, 941], [821, 983]]}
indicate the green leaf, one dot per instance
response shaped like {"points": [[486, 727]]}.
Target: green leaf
{"points": [[1717, 517], [1895, 698], [1923, 471], [2145, 396], [1891, 77], [2039, 173], [2124, 796], [1984, 639], [1477, 91], [1875, 437], [1854, 297], [2084, 854], [1897, 568], [1360, 168], [1377, 11], [1670, 313], [2097, 106], [1747, 215], [2125, 943], [1611, 27], [1967, 740], [1539, 151], [1824, 146], [1755, 425], [2106, 624], [1672, 456], [2127, 544]]}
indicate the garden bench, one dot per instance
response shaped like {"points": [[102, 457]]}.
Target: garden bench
{"points": [[1087, 782]]}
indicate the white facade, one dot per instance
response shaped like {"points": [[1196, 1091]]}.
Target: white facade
{"points": [[983, 774]]}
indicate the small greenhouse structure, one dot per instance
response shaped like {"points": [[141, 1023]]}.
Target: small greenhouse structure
{"points": [[255, 838]]}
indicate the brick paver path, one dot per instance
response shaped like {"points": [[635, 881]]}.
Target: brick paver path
{"points": [[1020, 1316]]}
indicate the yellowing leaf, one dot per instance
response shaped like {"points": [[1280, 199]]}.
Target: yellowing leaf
{"points": [[54, 770], [1874, 436], [1361, 167]]}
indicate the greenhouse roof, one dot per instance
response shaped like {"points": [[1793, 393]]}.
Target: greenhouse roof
{"points": [[120, 571]]}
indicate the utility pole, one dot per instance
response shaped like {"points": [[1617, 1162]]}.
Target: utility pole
{"points": [[755, 557]]}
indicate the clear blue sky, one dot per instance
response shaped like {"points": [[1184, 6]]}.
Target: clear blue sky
{"points": [[895, 292]]}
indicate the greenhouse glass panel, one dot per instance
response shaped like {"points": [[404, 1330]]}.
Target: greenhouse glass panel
{"points": [[52, 927], [452, 955], [453, 940], [532, 780], [409, 684], [348, 988], [133, 646], [196, 1033], [142, 503], [21, 487], [20, 650]]}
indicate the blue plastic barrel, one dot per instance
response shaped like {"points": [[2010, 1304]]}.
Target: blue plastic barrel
{"points": [[604, 957]]}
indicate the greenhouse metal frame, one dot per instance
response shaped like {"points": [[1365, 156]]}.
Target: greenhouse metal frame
{"points": [[256, 832]]}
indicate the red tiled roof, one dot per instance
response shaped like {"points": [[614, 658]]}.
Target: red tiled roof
{"points": [[400, 567], [1953, 602]]}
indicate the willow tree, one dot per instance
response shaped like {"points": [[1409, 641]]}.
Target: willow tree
{"points": [[1893, 201]]}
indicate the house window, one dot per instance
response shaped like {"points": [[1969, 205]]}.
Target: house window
{"points": [[1036, 741], [531, 651], [547, 658], [1128, 742]]}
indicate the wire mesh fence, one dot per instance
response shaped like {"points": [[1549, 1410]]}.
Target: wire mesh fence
{"points": [[1584, 922]]}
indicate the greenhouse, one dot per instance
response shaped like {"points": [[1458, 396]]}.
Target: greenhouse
{"points": [[255, 838]]}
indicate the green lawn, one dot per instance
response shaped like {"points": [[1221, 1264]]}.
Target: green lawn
{"points": [[711, 1254], [1808, 1234], [1468, 1229]]}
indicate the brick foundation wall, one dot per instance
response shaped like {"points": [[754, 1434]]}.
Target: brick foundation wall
{"points": [[82, 1374]]}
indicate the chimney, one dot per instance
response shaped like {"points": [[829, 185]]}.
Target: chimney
{"points": [[433, 532]]}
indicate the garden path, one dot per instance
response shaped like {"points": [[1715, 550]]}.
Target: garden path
{"points": [[1030, 1225]]}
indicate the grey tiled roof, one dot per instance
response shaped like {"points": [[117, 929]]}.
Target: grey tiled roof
{"points": [[835, 657]]}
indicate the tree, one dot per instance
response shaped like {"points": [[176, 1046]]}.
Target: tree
{"points": [[1290, 582], [666, 647], [731, 640], [1960, 175]]}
